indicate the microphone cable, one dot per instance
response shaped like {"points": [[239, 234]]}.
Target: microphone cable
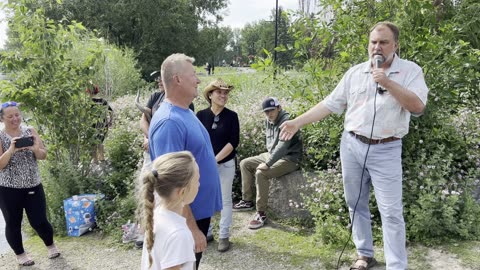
{"points": [[361, 179]]}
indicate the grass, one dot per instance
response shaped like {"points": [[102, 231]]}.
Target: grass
{"points": [[417, 256], [301, 248], [285, 241], [279, 243], [467, 252]]}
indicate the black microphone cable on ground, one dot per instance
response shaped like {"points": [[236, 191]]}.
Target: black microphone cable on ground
{"points": [[361, 179]]}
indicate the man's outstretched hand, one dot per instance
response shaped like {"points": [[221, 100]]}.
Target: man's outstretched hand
{"points": [[288, 129]]}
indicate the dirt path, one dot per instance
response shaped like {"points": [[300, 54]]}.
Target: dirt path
{"points": [[92, 252]]}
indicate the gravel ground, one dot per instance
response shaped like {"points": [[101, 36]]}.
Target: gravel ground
{"points": [[92, 252]]}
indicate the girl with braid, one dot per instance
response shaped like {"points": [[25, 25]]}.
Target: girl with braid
{"points": [[172, 183]]}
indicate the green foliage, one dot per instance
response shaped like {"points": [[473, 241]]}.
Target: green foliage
{"points": [[113, 213], [123, 154], [265, 64], [325, 205], [46, 79], [258, 39], [115, 70], [212, 42], [61, 180], [467, 22], [123, 151], [441, 177], [50, 64], [146, 26]]}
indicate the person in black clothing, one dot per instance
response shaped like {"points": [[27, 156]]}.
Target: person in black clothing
{"points": [[104, 114], [223, 127], [208, 68]]}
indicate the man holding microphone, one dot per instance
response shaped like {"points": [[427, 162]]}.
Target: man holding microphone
{"points": [[378, 96]]}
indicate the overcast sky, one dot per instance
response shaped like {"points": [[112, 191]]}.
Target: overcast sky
{"points": [[3, 25], [237, 14], [241, 12]]}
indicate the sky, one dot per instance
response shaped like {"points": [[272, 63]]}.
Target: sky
{"points": [[236, 15], [3, 26], [241, 12]]}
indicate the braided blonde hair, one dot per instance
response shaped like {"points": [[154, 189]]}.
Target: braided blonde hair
{"points": [[169, 172]]}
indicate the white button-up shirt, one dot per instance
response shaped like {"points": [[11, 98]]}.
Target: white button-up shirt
{"points": [[356, 93]]}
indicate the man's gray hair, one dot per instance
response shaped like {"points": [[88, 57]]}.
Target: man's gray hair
{"points": [[172, 66], [391, 26]]}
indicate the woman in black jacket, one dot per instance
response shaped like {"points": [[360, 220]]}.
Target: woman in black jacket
{"points": [[224, 130]]}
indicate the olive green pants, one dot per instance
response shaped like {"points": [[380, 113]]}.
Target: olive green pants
{"points": [[251, 175]]}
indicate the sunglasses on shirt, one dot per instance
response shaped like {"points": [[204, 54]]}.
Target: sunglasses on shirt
{"points": [[215, 121]]}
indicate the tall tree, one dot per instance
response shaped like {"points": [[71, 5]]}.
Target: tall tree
{"points": [[260, 36], [285, 40], [212, 44], [153, 28]]}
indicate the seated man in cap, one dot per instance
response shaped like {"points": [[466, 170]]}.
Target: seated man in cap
{"points": [[282, 157]]}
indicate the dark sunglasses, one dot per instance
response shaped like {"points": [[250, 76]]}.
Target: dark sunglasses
{"points": [[9, 103], [215, 121]]}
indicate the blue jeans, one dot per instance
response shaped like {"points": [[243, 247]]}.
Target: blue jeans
{"points": [[227, 173], [384, 171]]}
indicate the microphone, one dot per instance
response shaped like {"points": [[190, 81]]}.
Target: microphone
{"points": [[378, 60]]}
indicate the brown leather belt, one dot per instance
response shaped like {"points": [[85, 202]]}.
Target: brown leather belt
{"points": [[366, 140]]}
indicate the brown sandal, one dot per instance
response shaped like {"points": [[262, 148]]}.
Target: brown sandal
{"points": [[363, 263]]}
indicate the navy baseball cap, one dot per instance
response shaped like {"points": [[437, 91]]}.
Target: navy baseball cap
{"points": [[270, 103]]}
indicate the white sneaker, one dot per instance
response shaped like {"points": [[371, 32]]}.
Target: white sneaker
{"points": [[129, 232]]}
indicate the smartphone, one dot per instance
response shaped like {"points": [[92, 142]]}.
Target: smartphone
{"points": [[24, 142]]}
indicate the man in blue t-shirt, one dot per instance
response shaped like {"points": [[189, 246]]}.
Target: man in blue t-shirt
{"points": [[174, 127]]}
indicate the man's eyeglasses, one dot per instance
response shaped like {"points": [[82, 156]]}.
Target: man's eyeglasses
{"points": [[215, 121], [9, 103]]}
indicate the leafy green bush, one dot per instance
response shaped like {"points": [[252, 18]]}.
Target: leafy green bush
{"points": [[440, 175], [116, 71], [123, 151], [51, 64], [61, 180], [123, 155], [326, 205]]}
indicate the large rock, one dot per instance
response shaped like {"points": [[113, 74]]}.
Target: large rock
{"points": [[285, 193]]}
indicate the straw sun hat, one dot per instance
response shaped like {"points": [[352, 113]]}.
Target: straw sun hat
{"points": [[214, 85]]}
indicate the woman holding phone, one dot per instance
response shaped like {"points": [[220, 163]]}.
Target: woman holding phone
{"points": [[20, 186]]}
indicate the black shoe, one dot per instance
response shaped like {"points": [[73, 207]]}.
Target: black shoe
{"points": [[243, 206], [210, 238], [138, 244]]}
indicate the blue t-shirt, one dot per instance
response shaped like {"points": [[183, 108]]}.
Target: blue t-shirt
{"points": [[174, 129]]}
